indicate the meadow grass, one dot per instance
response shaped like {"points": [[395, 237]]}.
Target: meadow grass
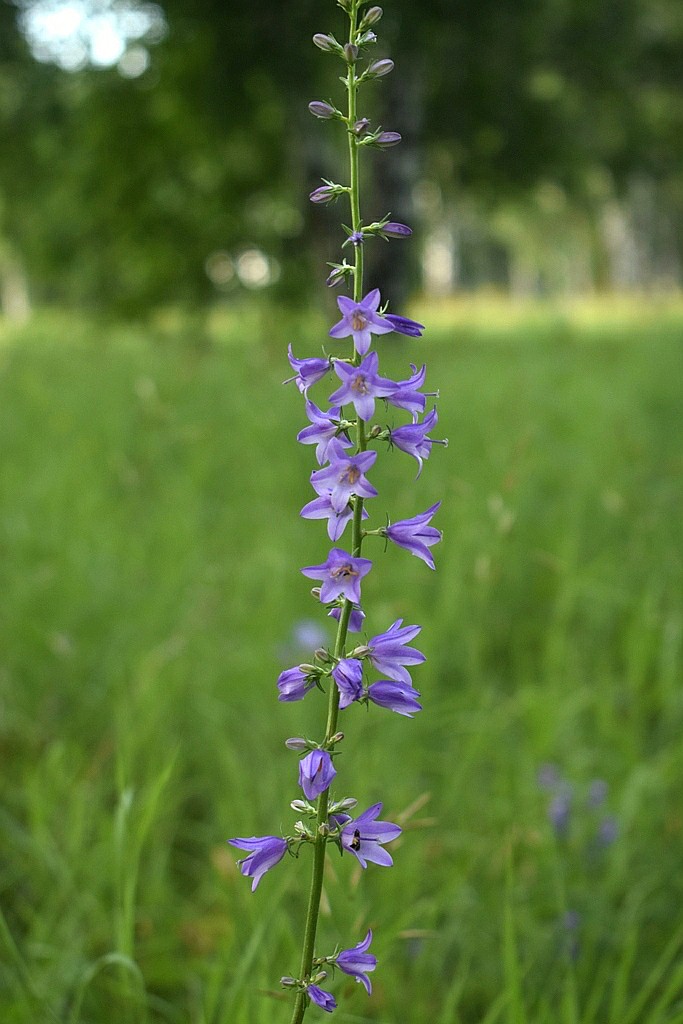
{"points": [[150, 485]]}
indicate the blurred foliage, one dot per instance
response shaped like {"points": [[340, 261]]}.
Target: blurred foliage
{"points": [[114, 190]]}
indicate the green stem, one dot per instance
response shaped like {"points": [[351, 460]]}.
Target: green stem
{"points": [[320, 850]]}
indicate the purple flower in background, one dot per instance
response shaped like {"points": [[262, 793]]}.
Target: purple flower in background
{"points": [[294, 684], [321, 508], [597, 792], [360, 319], [559, 811], [398, 697], [548, 776], [316, 772], [348, 675], [265, 853], [406, 395], [364, 836], [404, 325], [322, 431], [412, 438], [323, 999], [389, 652], [308, 371], [340, 575], [358, 962], [361, 385], [355, 619], [608, 831], [415, 535], [345, 476]]}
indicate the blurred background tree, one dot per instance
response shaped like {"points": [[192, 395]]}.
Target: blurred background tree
{"points": [[155, 153]]}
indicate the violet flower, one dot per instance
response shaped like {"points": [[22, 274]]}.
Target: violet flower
{"points": [[340, 575], [294, 684], [307, 371], [345, 476], [415, 535], [316, 772], [348, 675], [398, 697], [406, 395], [389, 652], [321, 508], [361, 385], [358, 962], [323, 430], [404, 325], [412, 438], [361, 320], [364, 837], [266, 852], [355, 619], [393, 229], [325, 1000]]}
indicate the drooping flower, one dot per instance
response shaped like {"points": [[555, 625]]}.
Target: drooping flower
{"points": [[294, 684], [345, 476], [361, 385], [415, 534], [325, 1000], [398, 697], [316, 772], [348, 675], [364, 836], [404, 325], [412, 438], [340, 575], [389, 652], [307, 371], [358, 962], [265, 853], [361, 320], [323, 430], [355, 619]]}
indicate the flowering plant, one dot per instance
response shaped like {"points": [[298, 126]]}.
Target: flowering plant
{"points": [[343, 434]]}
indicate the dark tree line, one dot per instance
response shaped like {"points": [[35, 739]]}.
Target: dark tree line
{"points": [[114, 190]]}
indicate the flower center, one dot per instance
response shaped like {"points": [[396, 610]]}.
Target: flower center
{"points": [[358, 321], [342, 570], [351, 475], [360, 385]]}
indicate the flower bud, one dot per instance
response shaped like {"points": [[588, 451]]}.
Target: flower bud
{"points": [[367, 38], [386, 139], [289, 982], [395, 230], [351, 53], [322, 110], [360, 127], [371, 17], [327, 43], [347, 804], [300, 806], [297, 743], [323, 194], [338, 274], [315, 592], [380, 68], [337, 738]]}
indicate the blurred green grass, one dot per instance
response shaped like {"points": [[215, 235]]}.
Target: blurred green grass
{"points": [[150, 487]]}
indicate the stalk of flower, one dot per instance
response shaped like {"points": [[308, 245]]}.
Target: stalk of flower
{"points": [[342, 485]]}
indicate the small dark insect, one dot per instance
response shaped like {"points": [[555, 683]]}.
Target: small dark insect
{"points": [[355, 842]]}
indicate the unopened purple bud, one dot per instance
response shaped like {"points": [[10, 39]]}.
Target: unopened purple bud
{"points": [[338, 274], [396, 230], [351, 53], [323, 194], [321, 109], [386, 139], [380, 68], [327, 43], [366, 38], [297, 743], [371, 17], [360, 127]]}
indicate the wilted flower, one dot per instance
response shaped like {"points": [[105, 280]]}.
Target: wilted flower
{"points": [[323, 999]]}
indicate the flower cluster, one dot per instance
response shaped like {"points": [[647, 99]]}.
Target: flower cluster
{"points": [[348, 441]]}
